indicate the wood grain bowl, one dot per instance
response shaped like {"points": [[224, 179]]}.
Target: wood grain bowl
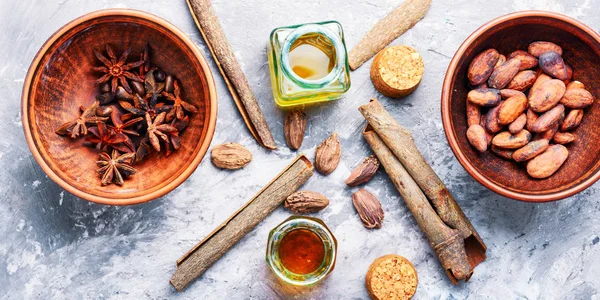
{"points": [[59, 80], [581, 47]]}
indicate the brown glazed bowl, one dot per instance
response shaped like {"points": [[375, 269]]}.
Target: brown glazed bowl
{"points": [[60, 80], [581, 47]]}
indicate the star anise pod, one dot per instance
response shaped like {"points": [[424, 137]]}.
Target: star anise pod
{"points": [[179, 104], [143, 149], [141, 107], [156, 130], [78, 126], [119, 127], [116, 70], [114, 168], [174, 141], [104, 137]]}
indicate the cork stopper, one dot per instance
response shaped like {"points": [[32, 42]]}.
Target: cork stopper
{"points": [[397, 71], [391, 277]]}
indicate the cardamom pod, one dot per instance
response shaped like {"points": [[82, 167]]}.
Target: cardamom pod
{"points": [[302, 202], [294, 128], [364, 171], [368, 208], [230, 156], [327, 155]]}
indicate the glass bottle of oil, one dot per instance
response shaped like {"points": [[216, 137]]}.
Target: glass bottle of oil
{"points": [[308, 63], [301, 251]]}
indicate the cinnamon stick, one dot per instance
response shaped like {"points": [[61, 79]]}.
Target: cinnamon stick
{"points": [[401, 143], [397, 22], [234, 77], [447, 242], [193, 264]]}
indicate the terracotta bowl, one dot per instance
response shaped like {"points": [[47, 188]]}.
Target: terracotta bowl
{"points": [[60, 80], [581, 47]]}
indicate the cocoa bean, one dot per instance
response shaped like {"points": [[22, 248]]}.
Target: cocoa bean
{"points": [[473, 113], [546, 95], [531, 118], [484, 97], [523, 80], [538, 48], [541, 78], [572, 120], [517, 125], [492, 123], [503, 153], [577, 98], [547, 163], [501, 60], [504, 73], [553, 64], [549, 118], [482, 66], [509, 141], [511, 109], [531, 150], [477, 137], [563, 138], [575, 85], [528, 61]]}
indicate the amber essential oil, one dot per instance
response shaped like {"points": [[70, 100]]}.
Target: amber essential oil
{"points": [[312, 56], [301, 251]]}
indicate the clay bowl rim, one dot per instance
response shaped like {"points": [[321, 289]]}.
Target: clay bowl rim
{"points": [[448, 124], [120, 199]]}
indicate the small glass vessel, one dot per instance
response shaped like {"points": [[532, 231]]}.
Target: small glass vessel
{"points": [[301, 250], [308, 63]]}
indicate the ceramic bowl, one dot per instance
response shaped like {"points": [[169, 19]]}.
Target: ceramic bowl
{"points": [[59, 81], [581, 47]]}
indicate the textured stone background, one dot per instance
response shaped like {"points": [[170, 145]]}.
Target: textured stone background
{"points": [[53, 245]]}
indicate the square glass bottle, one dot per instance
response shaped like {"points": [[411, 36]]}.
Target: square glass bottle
{"points": [[308, 63]]}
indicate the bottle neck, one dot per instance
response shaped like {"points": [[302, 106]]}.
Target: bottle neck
{"points": [[338, 46]]}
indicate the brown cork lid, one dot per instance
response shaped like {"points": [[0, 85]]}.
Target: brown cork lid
{"points": [[391, 277], [397, 71]]}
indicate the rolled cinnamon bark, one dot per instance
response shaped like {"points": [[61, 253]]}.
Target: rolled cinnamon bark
{"points": [[397, 22], [447, 242], [234, 77], [401, 143], [210, 249]]}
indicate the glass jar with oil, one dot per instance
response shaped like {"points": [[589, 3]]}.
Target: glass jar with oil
{"points": [[308, 63], [301, 251]]}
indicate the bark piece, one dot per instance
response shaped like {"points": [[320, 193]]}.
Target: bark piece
{"points": [[388, 29], [210, 28]]}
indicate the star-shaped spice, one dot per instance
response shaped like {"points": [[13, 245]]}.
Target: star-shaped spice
{"points": [[156, 130], [179, 104], [114, 168], [141, 107], [104, 137], [174, 142], [78, 126], [119, 127], [116, 70]]}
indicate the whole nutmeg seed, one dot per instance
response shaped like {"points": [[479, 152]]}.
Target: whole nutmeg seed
{"points": [[368, 208], [363, 171], [294, 128], [302, 202], [230, 156], [327, 155]]}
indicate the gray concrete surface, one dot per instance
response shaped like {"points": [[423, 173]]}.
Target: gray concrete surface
{"points": [[55, 246]]}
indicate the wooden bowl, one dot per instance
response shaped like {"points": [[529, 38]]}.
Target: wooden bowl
{"points": [[511, 32], [60, 80]]}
